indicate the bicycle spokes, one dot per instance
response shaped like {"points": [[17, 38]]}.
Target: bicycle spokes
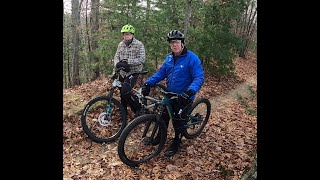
{"points": [[197, 118], [103, 119], [138, 144], [194, 120]]}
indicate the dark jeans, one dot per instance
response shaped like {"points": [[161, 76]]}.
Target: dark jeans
{"points": [[127, 97], [177, 119]]}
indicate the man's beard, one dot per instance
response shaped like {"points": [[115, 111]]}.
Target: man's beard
{"points": [[128, 42]]}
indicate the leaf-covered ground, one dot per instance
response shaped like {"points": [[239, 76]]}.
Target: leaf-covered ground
{"points": [[226, 148]]}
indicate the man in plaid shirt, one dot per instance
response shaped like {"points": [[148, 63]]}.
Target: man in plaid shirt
{"points": [[131, 56]]}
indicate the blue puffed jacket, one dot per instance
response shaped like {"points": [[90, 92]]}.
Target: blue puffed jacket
{"points": [[187, 73]]}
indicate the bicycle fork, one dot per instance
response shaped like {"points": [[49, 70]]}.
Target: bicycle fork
{"points": [[154, 130], [108, 107]]}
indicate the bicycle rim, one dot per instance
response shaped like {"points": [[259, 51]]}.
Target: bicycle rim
{"points": [[100, 125], [198, 118], [133, 148]]}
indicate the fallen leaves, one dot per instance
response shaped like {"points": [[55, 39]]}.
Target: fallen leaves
{"points": [[224, 150]]}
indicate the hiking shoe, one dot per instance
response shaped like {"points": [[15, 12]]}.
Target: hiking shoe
{"points": [[173, 148]]}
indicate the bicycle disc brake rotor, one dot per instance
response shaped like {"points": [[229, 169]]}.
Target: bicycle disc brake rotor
{"points": [[104, 119], [195, 120]]}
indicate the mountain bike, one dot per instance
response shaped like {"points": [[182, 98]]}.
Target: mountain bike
{"points": [[103, 118], [134, 145]]}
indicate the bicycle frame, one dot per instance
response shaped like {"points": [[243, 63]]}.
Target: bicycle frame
{"points": [[166, 103], [118, 84]]}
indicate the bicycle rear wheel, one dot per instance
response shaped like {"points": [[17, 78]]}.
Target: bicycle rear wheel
{"points": [[134, 145], [197, 118], [100, 125]]}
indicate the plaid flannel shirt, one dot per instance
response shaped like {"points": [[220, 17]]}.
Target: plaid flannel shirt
{"points": [[134, 53]]}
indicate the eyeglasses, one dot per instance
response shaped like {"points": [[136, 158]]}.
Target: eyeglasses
{"points": [[172, 42]]}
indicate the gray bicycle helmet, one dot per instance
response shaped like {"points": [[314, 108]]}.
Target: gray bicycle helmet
{"points": [[175, 34]]}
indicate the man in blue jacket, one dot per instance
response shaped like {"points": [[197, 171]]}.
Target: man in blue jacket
{"points": [[184, 75]]}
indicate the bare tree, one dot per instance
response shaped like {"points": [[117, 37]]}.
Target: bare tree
{"points": [[251, 27], [67, 54], [87, 27], [75, 26], [174, 14], [247, 26], [94, 21], [188, 16], [134, 8], [148, 10]]}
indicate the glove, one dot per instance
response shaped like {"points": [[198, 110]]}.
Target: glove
{"points": [[145, 90], [114, 76], [183, 98], [124, 64]]}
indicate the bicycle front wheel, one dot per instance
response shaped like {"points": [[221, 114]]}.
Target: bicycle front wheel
{"points": [[103, 119], [197, 118], [135, 142]]}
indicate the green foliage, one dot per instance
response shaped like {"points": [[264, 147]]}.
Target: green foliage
{"points": [[244, 101], [212, 38], [209, 35], [252, 92]]}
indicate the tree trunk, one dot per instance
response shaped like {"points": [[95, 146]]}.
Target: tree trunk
{"points": [[244, 21], [134, 9], [87, 28], [174, 18], [148, 10], [75, 26], [248, 29], [243, 27], [252, 20], [188, 16], [69, 70], [249, 39], [94, 29], [64, 49]]}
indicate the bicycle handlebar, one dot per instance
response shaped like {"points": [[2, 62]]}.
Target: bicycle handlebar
{"points": [[130, 65], [167, 93]]}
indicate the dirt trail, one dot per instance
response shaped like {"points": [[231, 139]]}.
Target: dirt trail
{"points": [[218, 104], [242, 89]]}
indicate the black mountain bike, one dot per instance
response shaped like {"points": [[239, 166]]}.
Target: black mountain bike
{"points": [[134, 145], [103, 118]]}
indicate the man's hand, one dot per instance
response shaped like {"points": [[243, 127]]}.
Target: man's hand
{"points": [[124, 65], [145, 90], [184, 97]]}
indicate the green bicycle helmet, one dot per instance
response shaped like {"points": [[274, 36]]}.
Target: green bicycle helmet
{"points": [[128, 28]]}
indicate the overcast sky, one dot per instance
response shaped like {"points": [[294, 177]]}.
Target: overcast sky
{"points": [[67, 6]]}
